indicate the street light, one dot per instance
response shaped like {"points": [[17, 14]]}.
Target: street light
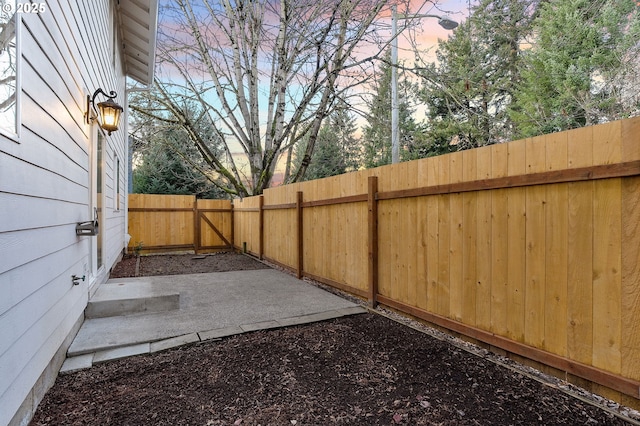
{"points": [[445, 23]]}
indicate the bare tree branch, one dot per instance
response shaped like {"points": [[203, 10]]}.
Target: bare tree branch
{"points": [[267, 71]]}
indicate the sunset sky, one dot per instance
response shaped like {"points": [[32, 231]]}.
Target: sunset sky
{"points": [[429, 31], [425, 31]]}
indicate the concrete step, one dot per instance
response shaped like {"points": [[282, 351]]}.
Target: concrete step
{"points": [[127, 298]]}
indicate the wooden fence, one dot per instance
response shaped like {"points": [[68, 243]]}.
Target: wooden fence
{"points": [[531, 247], [178, 223]]}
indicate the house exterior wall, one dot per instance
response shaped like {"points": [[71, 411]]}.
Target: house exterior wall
{"points": [[68, 50]]}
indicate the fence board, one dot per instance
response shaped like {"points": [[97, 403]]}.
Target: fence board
{"points": [[247, 224], [409, 225], [399, 274], [444, 239], [580, 254], [516, 243], [608, 149], [317, 228], [556, 224], [630, 351], [555, 295], [580, 272], [456, 238], [442, 294], [607, 275], [630, 135], [484, 243], [499, 251], [535, 153], [535, 266], [421, 282], [355, 262], [469, 239], [580, 148], [387, 246], [433, 262]]}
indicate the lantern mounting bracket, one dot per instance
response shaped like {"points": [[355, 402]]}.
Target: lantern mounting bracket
{"points": [[108, 107]]}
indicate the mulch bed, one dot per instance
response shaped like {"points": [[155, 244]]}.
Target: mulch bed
{"points": [[362, 370], [174, 264]]}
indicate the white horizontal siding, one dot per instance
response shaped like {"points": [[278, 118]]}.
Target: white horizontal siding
{"points": [[46, 148], [20, 247], [59, 290], [96, 44], [42, 68], [44, 188], [20, 283], [20, 212], [21, 177], [21, 362]]}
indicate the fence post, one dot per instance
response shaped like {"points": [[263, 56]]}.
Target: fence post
{"points": [[299, 233], [233, 226], [196, 226], [372, 191], [261, 227]]}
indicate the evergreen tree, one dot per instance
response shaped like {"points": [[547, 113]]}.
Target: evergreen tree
{"points": [[579, 70], [336, 149], [468, 92], [377, 132], [165, 170], [167, 163]]}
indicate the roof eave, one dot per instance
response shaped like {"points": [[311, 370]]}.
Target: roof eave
{"points": [[139, 22]]}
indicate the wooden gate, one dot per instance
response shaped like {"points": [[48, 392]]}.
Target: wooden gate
{"points": [[213, 225], [167, 223]]}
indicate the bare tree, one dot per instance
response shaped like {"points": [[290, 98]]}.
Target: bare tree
{"points": [[267, 72]]}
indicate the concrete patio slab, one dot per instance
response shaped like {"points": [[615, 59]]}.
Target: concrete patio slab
{"points": [[211, 306]]}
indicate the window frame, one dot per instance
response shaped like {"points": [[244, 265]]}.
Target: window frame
{"points": [[116, 183], [14, 134]]}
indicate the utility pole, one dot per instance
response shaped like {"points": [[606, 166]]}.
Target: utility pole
{"points": [[445, 23]]}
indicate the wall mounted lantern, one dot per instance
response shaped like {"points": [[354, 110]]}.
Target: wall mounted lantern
{"points": [[109, 111]]}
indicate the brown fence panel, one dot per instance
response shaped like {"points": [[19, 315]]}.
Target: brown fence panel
{"points": [[335, 230], [159, 223], [248, 218], [280, 226]]}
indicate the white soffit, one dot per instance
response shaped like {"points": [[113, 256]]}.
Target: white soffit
{"points": [[139, 25]]}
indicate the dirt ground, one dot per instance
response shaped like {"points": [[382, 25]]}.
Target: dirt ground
{"points": [[363, 370], [175, 264]]}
